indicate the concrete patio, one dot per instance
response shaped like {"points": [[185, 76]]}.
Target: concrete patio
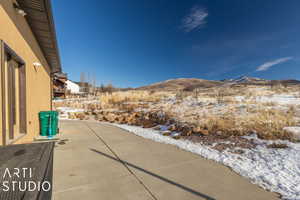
{"points": [[99, 161]]}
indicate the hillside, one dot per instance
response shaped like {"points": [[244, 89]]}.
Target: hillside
{"points": [[180, 84], [189, 84]]}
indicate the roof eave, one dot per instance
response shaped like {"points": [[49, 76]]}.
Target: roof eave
{"points": [[40, 19]]}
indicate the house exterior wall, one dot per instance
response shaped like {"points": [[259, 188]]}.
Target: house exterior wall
{"points": [[16, 33]]}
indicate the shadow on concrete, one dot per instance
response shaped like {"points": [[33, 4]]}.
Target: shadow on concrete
{"points": [[155, 175]]}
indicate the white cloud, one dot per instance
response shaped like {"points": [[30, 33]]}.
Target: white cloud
{"points": [[194, 19], [269, 64]]}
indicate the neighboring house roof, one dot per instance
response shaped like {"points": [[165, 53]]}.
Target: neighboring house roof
{"points": [[60, 75], [40, 19]]}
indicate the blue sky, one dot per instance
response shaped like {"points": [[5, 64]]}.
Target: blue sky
{"points": [[131, 43]]}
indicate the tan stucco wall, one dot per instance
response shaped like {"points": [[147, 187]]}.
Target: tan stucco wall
{"points": [[16, 33]]}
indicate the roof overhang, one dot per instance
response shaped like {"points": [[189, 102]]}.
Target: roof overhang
{"points": [[40, 19]]}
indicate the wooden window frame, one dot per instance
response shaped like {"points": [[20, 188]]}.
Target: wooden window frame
{"points": [[6, 50]]}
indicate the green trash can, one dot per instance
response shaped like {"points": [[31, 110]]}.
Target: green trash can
{"points": [[48, 123]]}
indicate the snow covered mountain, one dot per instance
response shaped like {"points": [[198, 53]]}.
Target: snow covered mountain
{"points": [[245, 79]]}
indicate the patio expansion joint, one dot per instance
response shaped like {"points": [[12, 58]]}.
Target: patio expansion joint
{"points": [[121, 161]]}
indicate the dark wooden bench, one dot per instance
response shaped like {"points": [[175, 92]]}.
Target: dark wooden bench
{"points": [[26, 171]]}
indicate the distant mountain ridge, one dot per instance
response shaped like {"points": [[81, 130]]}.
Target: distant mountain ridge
{"points": [[259, 81], [190, 84], [245, 79]]}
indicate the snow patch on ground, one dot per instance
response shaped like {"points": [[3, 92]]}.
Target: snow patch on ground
{"points": [[282, 99], [277, 170]]}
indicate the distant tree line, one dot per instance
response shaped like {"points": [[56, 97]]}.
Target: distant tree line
{"points": [[88, 85]]}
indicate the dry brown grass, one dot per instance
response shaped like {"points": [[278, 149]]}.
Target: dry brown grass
{"points": [[117, 98], [268, 124], [269, 104], [278, 89]]}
